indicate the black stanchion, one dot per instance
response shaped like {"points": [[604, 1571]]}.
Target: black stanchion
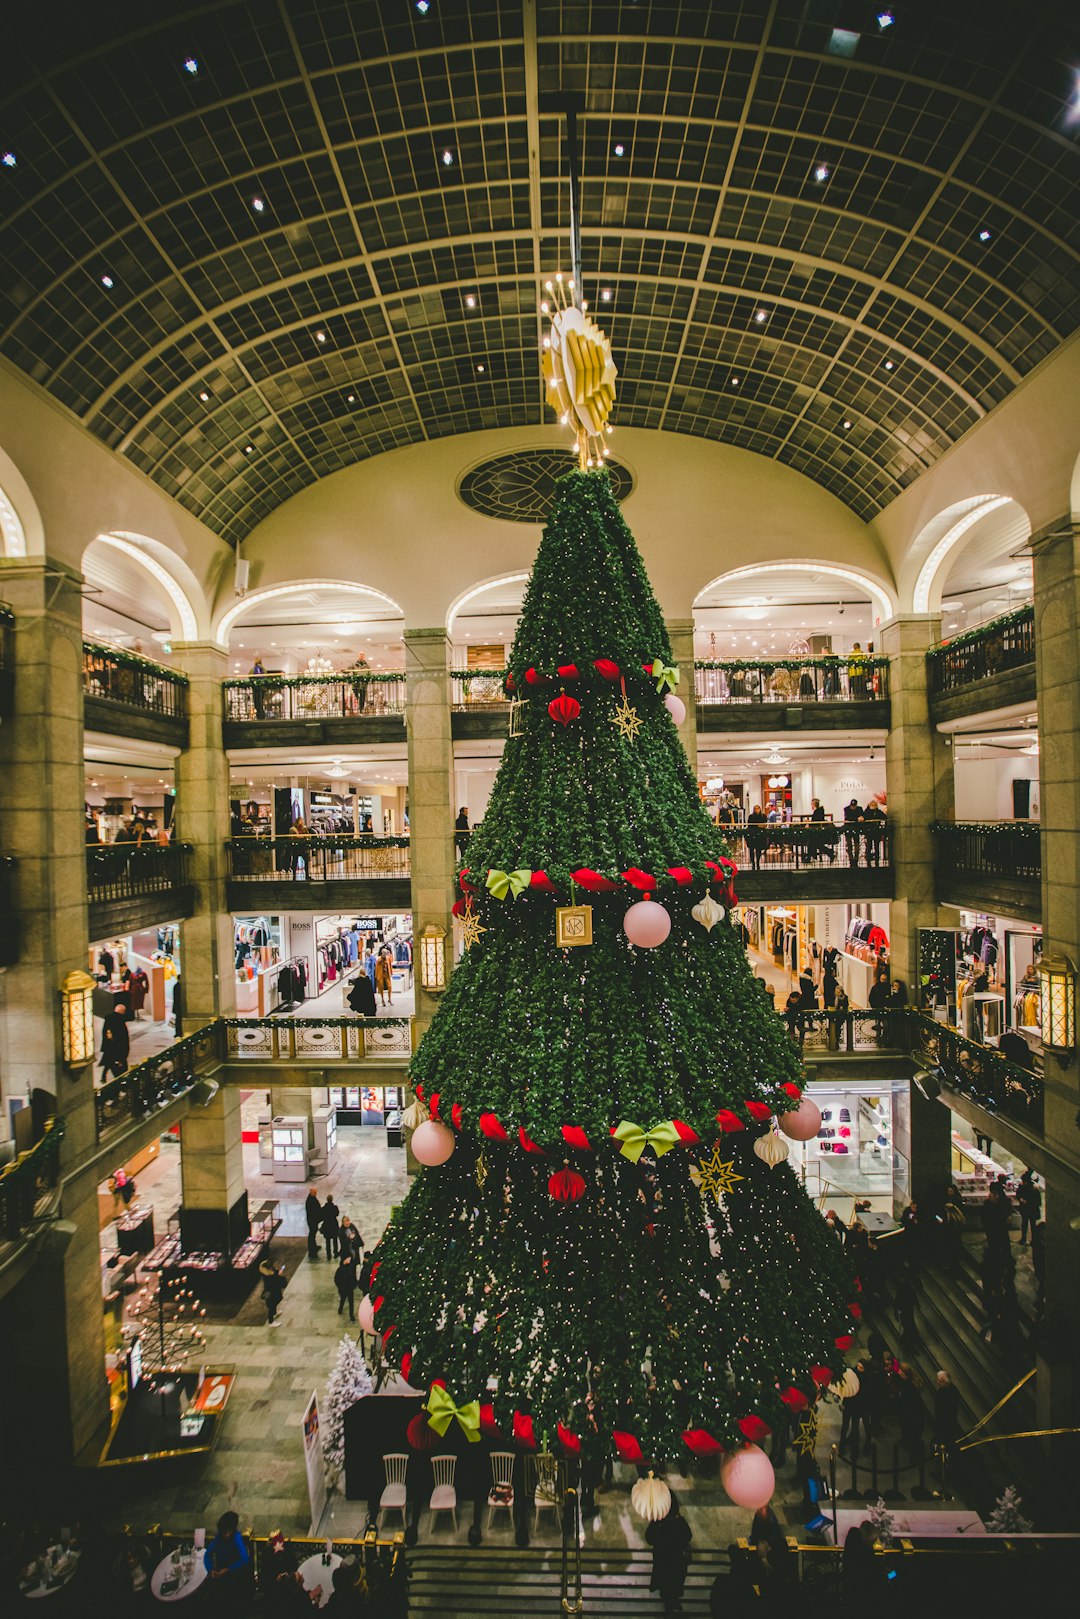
{"points": [[852, 1492], [832, 1490], [894, 1492], [919, 1491], [874, 1491]]}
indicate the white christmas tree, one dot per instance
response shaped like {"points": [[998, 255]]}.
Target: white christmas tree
{"points": [[349, 1381], [883, 1521], [1006, 1518]]}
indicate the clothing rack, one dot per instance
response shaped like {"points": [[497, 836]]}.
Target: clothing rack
{"points": [[298, 967]]}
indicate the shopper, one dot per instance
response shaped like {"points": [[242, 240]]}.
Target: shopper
{"points": [[313, 1215], [258, 690], [670, 1539], [345, 1282], [228, 1563], [115, 1040], [384, 976], [946, 1412], [360, 672], [461, 830], [755, 838], [852, 817], [953, 1231], [874, 832], [350, 1239], [177, 1007], [905, 1300], [299, 857], [365, 1270], [361, 996], [329, 1226], [273, 1287], [1030, 1200]]}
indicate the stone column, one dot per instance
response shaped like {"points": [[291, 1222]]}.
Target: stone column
{"points": [[1057, 626], [431, 801], [212, 1158], [41, 824], [203, 820], [919, 774], [681, 635]]}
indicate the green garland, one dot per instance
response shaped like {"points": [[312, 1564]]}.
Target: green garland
{"points": [[344, 676], [134, 660], [1013, 620], [870, 660]]}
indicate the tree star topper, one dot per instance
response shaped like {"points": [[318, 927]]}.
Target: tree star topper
{"points": [[626, 720], [715, 1176], [579, 372]]}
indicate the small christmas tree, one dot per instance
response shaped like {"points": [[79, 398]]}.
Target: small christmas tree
{"points": [[349, 1381], [1006, 1518], [883, 1521]]}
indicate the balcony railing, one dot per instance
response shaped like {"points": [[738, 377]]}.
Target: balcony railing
{"points": [[474, 689], [136, 682], [1003, 644], [811, 845], [7, 662], [279, 699], [1010, 849], [793, 680], [978, 1072], [846, 1032], [24, 1182], [121, 871], [343, 1039], [318, 860], [152, 1084], [9, 933]]}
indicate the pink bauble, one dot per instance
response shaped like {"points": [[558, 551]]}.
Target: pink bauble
{"points": [[432, 1143], [365, 1315], [647, 924], [803, 1122], [748, 1477], [675, 707]]}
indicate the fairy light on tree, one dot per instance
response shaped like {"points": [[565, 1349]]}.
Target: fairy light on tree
{"points": [[170, 1316]]}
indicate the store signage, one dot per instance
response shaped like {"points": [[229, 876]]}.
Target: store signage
{"points": [[368, 924], [325, 800], [313, 1462]]}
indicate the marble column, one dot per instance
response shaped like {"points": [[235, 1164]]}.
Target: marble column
{"points": [[431, 788], [203, 820], [212, 1156], [41, 823], [681, 635], [919, 774]]}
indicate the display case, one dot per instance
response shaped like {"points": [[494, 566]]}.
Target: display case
{"points": [[135, 1230], [289, 1136], [324, 1131], [266, 1143]]}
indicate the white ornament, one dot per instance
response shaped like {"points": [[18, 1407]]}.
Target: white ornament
{"points": [[770, 1149], [651, 1499], [708, 913]]}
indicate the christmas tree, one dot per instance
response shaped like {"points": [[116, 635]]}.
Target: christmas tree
{"points": [[606, 1241], [1007, 1518], [349, 1381]]}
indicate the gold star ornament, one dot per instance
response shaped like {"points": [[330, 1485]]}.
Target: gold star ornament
{"points": [[626, 720], [806, 1439], [471, 929], [715, 1178], [579, 371]]}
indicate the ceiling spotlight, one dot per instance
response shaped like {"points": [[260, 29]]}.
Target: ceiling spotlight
{"points": [[203, 395], [620, 149], [821, 172], [888, 365], [605, 295], [320, 337], [447, 158], [847, 423], [885, 19], [107, 281], [9, 160], [760, 317], [350, 399], [984, 235], [481, 368], [258, 206], [423, 7], [470, 301], [249, 449], [191, 65], [734, 382]]}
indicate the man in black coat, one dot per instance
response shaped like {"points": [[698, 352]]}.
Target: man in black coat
{"points": [[361, 997], [328, 1225], [115, 1040], [345, 1282], [313, 1213]]}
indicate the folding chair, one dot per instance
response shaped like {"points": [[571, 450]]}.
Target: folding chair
{"points": [[444, 1495], [545, 1496], [501, 1493], [393, 1497]]}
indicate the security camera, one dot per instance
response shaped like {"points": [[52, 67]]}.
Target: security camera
{"points": [[840, 608], [240, 578]]}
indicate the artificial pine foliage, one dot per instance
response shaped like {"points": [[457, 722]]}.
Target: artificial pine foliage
{"points": [[1006, 1518], [618, 1310], [349, 1381], [883, 1521]]}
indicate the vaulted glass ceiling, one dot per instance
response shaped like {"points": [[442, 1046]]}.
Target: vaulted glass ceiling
{"points": [[253, 242]]}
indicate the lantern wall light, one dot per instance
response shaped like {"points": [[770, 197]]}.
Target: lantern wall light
{"points": [[1057, 1005], [77, 1018], [433, 956]]}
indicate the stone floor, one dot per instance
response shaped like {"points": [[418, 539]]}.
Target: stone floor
{"points": [[258, 1466]]}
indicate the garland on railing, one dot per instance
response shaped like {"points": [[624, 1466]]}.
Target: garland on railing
{"points": [[811, 834], [343, 676], [356, 1021], [134, 660], [337, 840], [1018, 616], [868, 660]]}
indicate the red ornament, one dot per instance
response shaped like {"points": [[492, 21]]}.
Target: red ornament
{"points": [[433, 1104], [574, 1136], [700, 1443], [758, 1110], [463, 881], [794, 1399], [592, 881], [543, 882], [375, 1269], [420, 1435], [566, 1186], [458, 908], [564, 708], [639, 879], [386, 1334], [490, 1127], [728, 1121], [455, 1115], [685, 1132], [844, 1342], [510, 683], [488, 1426], [567, 671], [856, 1311], [718, 875], [821, 1375], [376, 1304], [793, 1091], [754, 1429], [534, 678], [524, 1437], [569, 1441], [627, 1447], [682, 875], [606, 669], [406, 1364], [419, 1089], [527, 1142]]}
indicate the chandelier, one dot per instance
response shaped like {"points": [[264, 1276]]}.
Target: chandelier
{"points": [[319, 665]]}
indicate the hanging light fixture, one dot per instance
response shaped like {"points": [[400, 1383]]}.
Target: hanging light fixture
{"points": [[77, 1012], [433, 956], [1057, 1005]]}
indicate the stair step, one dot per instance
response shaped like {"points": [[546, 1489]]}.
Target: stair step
{"points": [[455, 1582]]}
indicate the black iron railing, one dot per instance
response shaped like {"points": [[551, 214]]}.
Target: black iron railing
{"points": [[332, 858], [793, 680], [150, 1085], [7, 662], [134, 681], [988, 848], [9, 933], [1003, 644], [845, 1032], [24, 1182], [276, 699], [815, 845], [976, 1071], [478, 688], [119, 871]]}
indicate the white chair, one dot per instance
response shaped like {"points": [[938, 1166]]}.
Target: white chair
{"points": [[444, 1495], [393, 1497], [545, 1496], [501, 1493]]}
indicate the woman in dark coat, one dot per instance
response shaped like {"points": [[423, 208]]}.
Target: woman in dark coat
{"points": [[670, 1539]]}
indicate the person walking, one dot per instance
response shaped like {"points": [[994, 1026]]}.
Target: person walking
{"points": [[273, 1286], [1030, 1200], [361, 996], [228, 1563], [384, 977], [670, 1539], [328, 1225], [905, 1300], [946, 1412], [345, 1282], [313, 1215], [258, 690], [755, 839], [461, 830], [115, 1040], [350, 1239], [852, 817]]}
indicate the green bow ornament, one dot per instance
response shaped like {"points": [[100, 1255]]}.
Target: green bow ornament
{"points": [[508, 884], [661, 1138], [442, 1410], [665, 674]]}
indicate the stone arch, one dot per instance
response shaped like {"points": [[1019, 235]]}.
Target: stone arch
{"points": [[244, 604], [992, 519], [22, 532], [518, 576], [880, 594], [174, 577]]}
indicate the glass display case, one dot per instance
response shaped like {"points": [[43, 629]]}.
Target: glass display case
{"points": [[289, 1136]]}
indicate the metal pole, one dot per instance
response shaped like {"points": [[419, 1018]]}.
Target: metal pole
{"points": [[572, 160]]}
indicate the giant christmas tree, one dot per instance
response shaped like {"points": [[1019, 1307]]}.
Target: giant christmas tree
{"points": [[604, 1248]]}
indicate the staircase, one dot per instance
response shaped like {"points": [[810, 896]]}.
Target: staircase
{"points": [[462, 1582]]}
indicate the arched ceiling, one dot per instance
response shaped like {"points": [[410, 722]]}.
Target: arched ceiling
{"points": [[831, 240]]}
